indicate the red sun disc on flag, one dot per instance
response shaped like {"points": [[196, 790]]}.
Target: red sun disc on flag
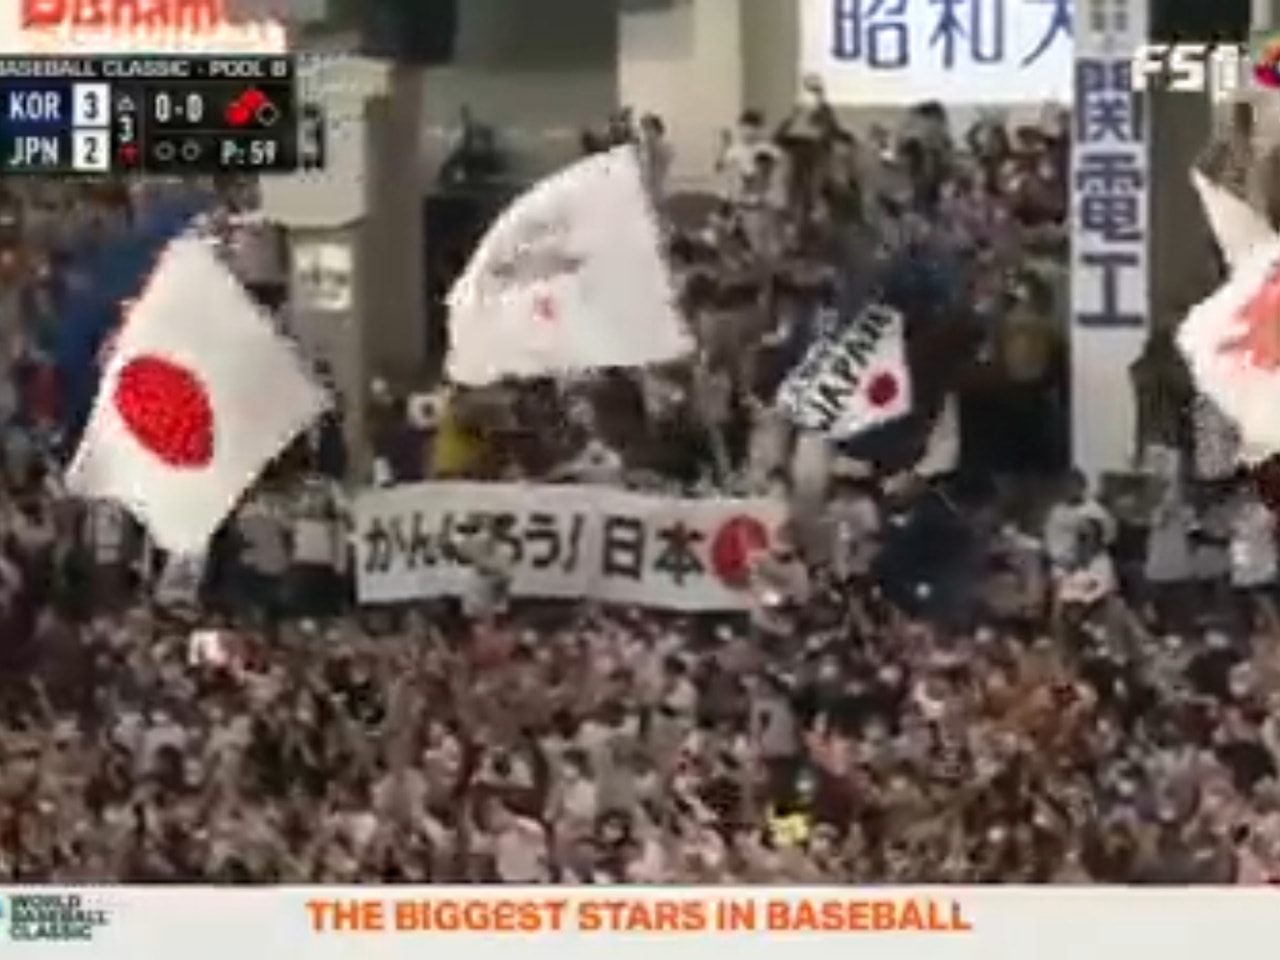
{"points": [[167, 410], [732, 547], [1256, 340], [882, 389]]}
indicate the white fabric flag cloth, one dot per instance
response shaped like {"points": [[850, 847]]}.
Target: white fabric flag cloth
{"points": [[1232, 345], [1237, 227], [199, 395], [1240, 231], [854, 381], [571, 277]]}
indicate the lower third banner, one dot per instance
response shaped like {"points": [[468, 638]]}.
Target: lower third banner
{"points": [[563, 542]]}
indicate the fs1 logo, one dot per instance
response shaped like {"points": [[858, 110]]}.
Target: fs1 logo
{"points": [[1218, 69]]}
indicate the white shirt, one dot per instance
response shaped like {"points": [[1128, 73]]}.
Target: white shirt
{"points": [[855, 524], [106, 525], [1217, 441], [315, 542], [578, 804], [1090, 583], [760, 209], [266, 550], [738, 162], [1253, 546], [598, 465], [1063, 526], [521, 852], [490, 578], [1169, 554], [180, 581]]}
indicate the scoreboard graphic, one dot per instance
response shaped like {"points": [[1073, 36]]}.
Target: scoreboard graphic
{"points": [[173, 115]]}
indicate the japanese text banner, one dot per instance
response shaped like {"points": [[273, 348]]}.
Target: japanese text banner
{"points": [[1110, 178], [562, 542], [902, 52]]}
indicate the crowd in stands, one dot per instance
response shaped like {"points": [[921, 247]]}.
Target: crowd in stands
{"points": [[966, 669]]}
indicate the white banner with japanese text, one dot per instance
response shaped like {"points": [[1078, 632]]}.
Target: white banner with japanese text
{"points": [[882, 53], [1110, 175], [562, 541]]}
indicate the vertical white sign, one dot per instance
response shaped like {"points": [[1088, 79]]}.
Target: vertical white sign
{"points": [[1110, 178]]}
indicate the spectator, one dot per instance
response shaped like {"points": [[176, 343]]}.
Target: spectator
{"points": [[1067, 519], [744, 149], [655, 152]]}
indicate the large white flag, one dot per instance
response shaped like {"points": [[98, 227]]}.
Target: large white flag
{"points": [[1226, 337], [1232, 345], [854, 381], [570, 277], [199, 395]]}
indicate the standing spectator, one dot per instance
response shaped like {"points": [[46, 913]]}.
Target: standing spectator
{"points": [[318, 541], [656, 154], [264, 556], [743, 151], [855, 527], [1066, 521], [1169, 568], [1255, 567], [107, 541]]}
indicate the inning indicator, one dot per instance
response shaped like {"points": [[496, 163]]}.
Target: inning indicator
{"points": [[126, 140]]}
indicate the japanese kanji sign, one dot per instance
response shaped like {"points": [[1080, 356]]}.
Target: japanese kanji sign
{"points": [[1110, 174], [891, 52], [1109, 196], [563, 542]]}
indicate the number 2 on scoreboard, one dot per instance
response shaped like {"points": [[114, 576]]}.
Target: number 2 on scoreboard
{"points": [[91, 151]]}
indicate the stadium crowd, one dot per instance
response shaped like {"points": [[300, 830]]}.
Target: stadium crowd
{"points": [[949, 673]]}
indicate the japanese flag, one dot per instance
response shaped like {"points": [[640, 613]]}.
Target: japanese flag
{"points": [[1231, 340], [853, 382], [198, 395], [571, 277], [1232, 345]]}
